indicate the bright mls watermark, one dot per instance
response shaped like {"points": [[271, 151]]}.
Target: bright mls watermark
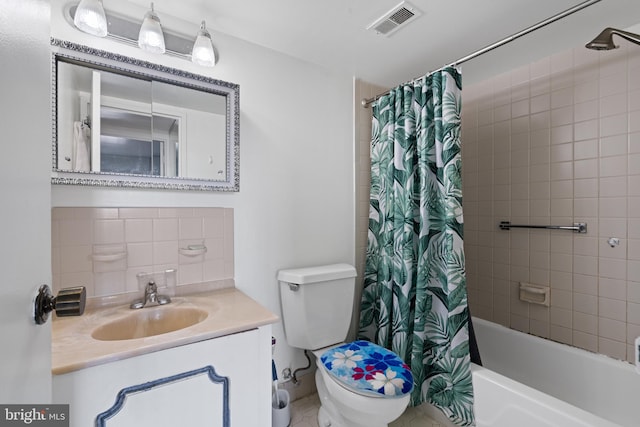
{"points": [[34, 415]]}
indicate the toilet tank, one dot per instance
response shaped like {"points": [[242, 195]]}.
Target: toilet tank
{"points": [[317, 303]]}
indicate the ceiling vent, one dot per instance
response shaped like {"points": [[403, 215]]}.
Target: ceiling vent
{"points": [[396, 18]]}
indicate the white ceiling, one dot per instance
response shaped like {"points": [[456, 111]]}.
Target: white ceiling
{"points": [[332, 33]]}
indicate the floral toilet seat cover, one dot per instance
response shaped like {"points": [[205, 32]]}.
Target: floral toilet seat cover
{"points": [[368, 369]]}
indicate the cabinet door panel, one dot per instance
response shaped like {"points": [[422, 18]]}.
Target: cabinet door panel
{"points": [[207, 403], [194, 401]]}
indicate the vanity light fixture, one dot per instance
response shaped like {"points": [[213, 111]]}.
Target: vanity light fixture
{"points": [[90, 18], [151, 37], [202, 52]]}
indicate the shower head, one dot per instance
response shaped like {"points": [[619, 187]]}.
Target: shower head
{"points": [[604, 41]]}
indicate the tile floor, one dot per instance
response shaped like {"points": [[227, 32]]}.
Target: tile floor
{"points": [[304, 413]]}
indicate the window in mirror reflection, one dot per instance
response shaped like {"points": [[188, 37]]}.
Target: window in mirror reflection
{"points": [[135, 149], [126, 155]]}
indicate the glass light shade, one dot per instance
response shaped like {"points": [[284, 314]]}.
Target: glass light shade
{"points": [[203, 52], [90, 18], [151, 37]]}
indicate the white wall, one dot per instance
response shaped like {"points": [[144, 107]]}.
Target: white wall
{"points": [[296, 201]]}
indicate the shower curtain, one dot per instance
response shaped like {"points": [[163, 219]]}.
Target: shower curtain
{"points": [[414, 300]]}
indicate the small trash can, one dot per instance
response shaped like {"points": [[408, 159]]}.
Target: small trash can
{"points": [[281, 409]]}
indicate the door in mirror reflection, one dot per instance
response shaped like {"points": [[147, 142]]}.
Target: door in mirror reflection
{"points": [[202, 119]]}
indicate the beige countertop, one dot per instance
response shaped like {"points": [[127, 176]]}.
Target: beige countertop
{"points": [[228, 311]]}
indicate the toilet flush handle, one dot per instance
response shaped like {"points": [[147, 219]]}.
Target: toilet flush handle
{"points": [[294, 287]]}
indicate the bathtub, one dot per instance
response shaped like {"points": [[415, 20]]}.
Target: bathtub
{"points": [[527, 381]]}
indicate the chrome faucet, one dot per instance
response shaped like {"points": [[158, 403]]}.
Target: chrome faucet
{"points": [[151, 297]]}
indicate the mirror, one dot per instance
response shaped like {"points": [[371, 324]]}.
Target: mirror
{"points": [[122, 122]]}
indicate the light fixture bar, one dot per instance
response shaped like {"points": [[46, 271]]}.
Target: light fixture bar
{"points": [[125, 31]]}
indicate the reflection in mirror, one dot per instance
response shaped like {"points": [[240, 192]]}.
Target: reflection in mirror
{"points": [[204, 120], [129, 123]]}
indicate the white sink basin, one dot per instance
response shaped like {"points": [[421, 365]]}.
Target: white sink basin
{"points": [[147, 322]]}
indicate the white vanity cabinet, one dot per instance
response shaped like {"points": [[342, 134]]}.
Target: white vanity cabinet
{"points": [[173, 387]]}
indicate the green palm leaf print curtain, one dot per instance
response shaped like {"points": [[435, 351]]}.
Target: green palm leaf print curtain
{"points": [[414, 300]]}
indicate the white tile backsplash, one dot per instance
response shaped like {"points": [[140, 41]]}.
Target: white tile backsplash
{"points": [[148, 240], [190, 228], [165, 229], [140, 254], [138, 230], [165, 252], [74, 232], [75, 259], [108, 231], [213, 226]]}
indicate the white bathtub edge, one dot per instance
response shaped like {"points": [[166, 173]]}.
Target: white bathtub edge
{"points": [[601, 385], [490, 392]]}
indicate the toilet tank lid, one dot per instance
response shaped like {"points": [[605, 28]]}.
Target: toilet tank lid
{"points": [[320, 273]]}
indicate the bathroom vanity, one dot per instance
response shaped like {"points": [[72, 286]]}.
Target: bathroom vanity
{"points": [[214, 372]]}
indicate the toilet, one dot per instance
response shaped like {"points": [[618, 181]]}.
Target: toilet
{"points": [[359, 383]]}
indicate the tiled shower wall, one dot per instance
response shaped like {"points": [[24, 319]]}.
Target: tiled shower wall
{"points": [[557, 142], [362, 158], [105, 248], [363, 167]]}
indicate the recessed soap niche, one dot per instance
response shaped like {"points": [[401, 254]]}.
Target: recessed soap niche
{"points": [[111, 250], [535, 294]]}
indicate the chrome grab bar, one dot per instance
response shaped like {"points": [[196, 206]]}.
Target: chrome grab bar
{"points": [[577, 227]]}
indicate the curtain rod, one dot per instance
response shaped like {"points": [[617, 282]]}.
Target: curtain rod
{"points": [[366, 102]]}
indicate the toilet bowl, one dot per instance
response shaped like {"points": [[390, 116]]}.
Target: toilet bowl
{"points": [[343, 406], [359, 383]]}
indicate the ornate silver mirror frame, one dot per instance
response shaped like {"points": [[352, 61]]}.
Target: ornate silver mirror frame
{"points": [[64, 51]]}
